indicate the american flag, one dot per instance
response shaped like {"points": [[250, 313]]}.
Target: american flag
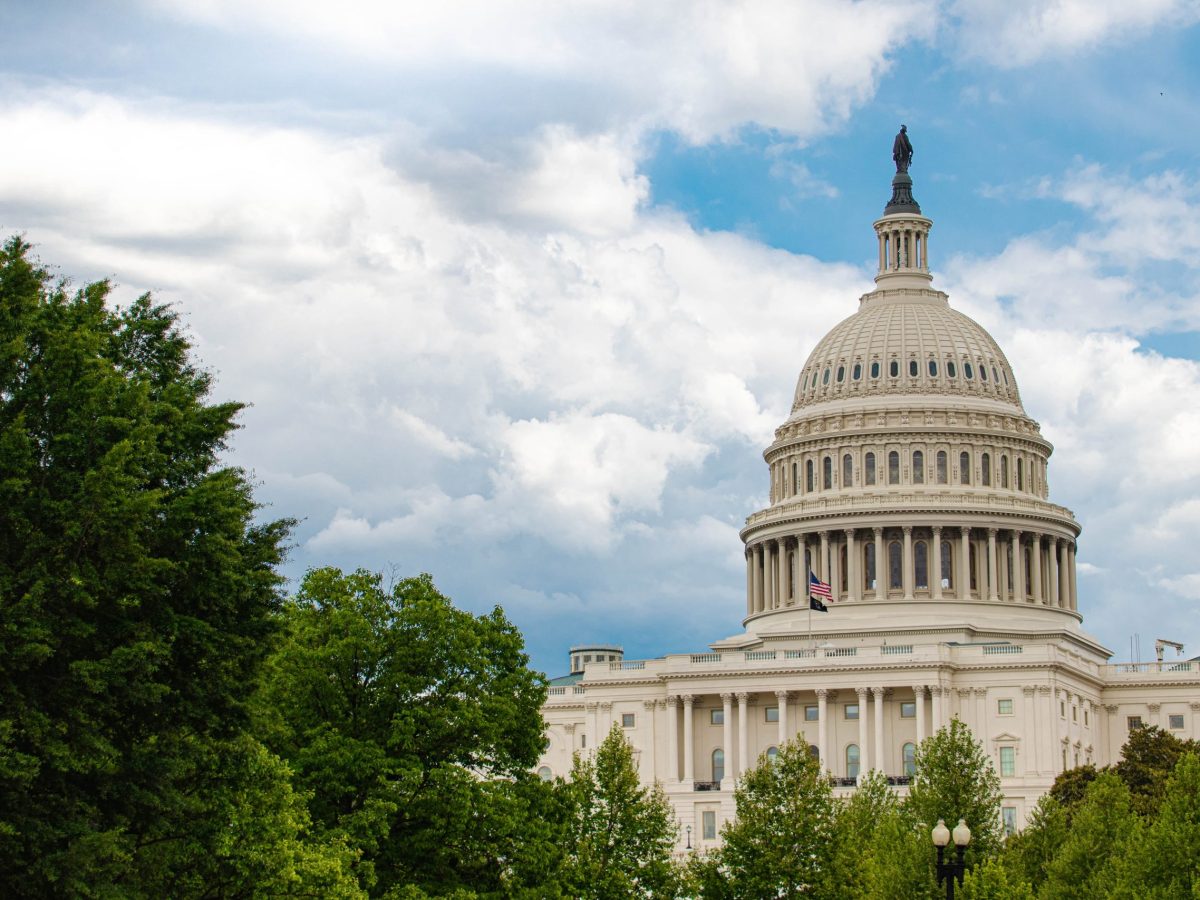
{"points": [[817, 587]]}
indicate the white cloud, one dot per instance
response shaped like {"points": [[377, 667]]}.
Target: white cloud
{"points": [[700, 69], [1010, 33]]}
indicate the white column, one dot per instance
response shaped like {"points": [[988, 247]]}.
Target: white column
{"points": [[823, 573], [749, 582], [936, 720], [880, 567], [878, 692], [907, 558], [589, 725], [853, 577], [1055, 588], [1064, 576], [689, 761], [743, 745], [1074, 585], [781, 699], [1036, 567], [919, 693], [1018, 580], [727, 738], [964, 591], [935, 576], [864, 751], [769, 574], [757, 551], [822, 727], [1029, 721], [672, 739], [782, 593], [993, 570]]}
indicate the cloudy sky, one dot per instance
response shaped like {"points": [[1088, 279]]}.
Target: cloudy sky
{"points": [[518, 291]]}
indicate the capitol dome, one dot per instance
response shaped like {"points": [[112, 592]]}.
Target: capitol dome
{"points": [[907, 475]]}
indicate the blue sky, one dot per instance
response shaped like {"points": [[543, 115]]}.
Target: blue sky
{"points": [[519, 291]]}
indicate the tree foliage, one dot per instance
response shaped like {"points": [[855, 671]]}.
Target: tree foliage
{"points": [[137, 594], [621, 835], [781, 843], [955, 780], [1102, 827], [412, 724]]}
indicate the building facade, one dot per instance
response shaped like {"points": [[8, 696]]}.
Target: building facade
{"points": [[911, 479]]}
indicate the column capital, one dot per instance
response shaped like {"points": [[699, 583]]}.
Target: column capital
{"points": [[979, 692], [850, 533], [992, 532], [687, 699], [1194, 706], [936, 529], [878, 692], [569, 727], [1016, 533], [782, 696], [606, 704], [862, 695], [907, 529], [878, 529], [672, 700], [1029, 689], [919, 691], [1044, 690], [822, 693], [1111, 708], [824, 534], [591, 707], [726, 697], [966, 530], [1154, 708], [662, 704], [967, 692], [649, 704]]}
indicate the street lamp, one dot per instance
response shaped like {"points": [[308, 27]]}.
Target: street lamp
{"points": [[689, 835], [950, 872]]}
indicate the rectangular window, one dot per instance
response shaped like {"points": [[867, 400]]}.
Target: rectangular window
{"points": [[1004, 707], [1062, 709], [1133, 722], [1010, 820], [583, 741], [716, 717], [627, 720], [812, 713], [772, 713], [1008, 761], [908, 709], [1175, 722], [1085, 717], [708, 820], [1074, 713], [851, 710]]}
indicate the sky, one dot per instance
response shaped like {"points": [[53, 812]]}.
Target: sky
{"points": [[517, 292]]}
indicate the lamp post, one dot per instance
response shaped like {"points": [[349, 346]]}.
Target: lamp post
{"points": [[689, 836], [950, 872]]}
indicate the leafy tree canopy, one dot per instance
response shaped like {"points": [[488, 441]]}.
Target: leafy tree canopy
{"points": [[137, 595], [413, 725]]}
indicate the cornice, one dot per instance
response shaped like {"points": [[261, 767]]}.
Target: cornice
{"points": [[955, 508]]}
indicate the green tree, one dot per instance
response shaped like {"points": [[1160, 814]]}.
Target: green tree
{"points": [[955, 780], [857, 834], [621, 834], [781, 843], [1029, 853], [990, 880], [1103, 825], [1164, 864], [137, 594], [1070, 786], [1147, 760], [899, 865], [413, 726]]}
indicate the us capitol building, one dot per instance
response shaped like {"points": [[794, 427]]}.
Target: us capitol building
{"points": [[910, 478]]}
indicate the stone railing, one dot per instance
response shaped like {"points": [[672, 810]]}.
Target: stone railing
{"points": [[836, 502], [1182, 669]]}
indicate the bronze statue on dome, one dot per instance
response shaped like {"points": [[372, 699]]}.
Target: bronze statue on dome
{"points": [[902, 150]]}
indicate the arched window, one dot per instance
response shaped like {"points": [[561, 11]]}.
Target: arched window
{"points": [[1004, 470], [914, 368], [918, 475], [825, 377], [895, 566], [894, 368], [869, 465], [869, 564], [852, 761], [983, 372], [941, 467], [986, 462], [795, 480], [808, 476], [827, 473], [847, 471], [545, 774], [933, 368], [1020, 474], [921, 565], [968, 371], [857, 373], [772, 753], [947, 565], [893, 467], [964, 467], [718, 764], [874, 370], [950, 370], [814, 751], [909, 753]]}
